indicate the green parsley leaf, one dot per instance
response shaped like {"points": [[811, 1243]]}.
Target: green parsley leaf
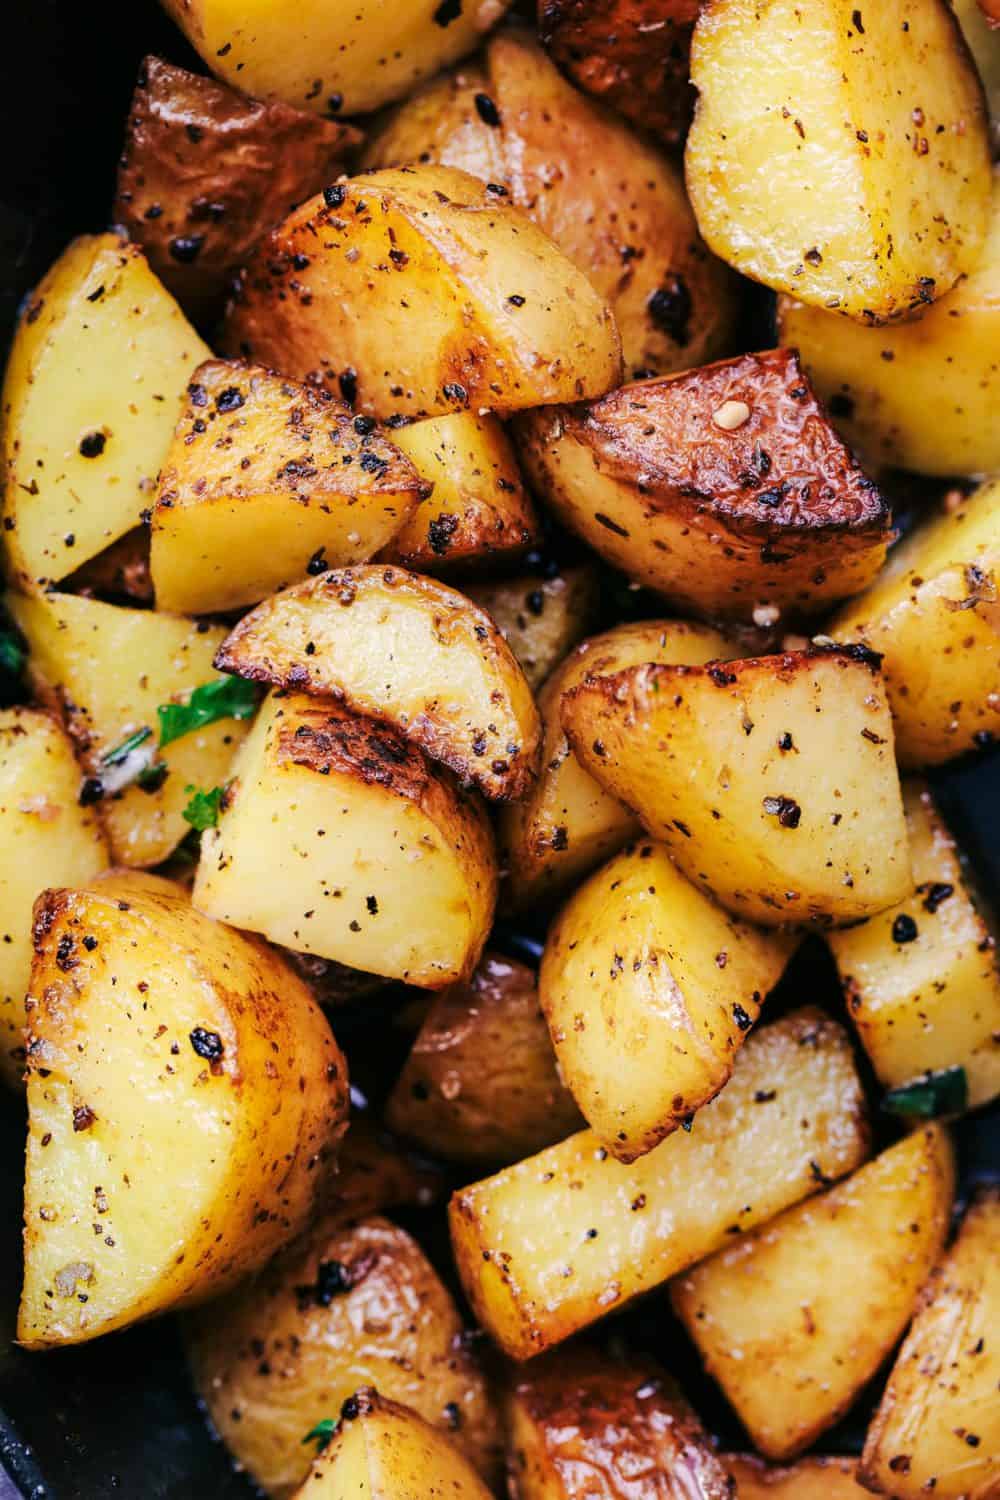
{"points": [[225, 698], [203, 809], [12, 653], [322, 1434], [945, 1092]]}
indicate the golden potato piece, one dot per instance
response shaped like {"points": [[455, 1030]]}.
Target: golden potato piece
{"points": [[979, 28], [94, 385], [183, 1093], [938, 1426], [432, 293], [264, 482], [771, 781], [546, 1247], [348, 1306], [809, 1479], [542, 615], [934, 617], [840, 154], [405, 649], [794, 1319], [336, 837], [46, 839]]}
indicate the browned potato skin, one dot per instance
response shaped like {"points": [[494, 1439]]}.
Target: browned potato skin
{"points": [[221, 168], [375, 1172], [121, 571], [809, 1479], [481, 1083], [775, 510], [577, 1412]]}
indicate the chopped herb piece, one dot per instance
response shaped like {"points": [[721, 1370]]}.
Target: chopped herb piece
{"points": [[321, 1434], [225, 698], [945, 1092], [904, 929], [122, 751], [12, 653], [203, 809], [151, 778]]}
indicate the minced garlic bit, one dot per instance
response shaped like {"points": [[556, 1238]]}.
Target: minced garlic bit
{"points": [[730, 415]]}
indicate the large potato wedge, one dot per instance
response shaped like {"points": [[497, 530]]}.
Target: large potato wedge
{"points": [[94, 385], [542, 615], [336, 837], [725, 488], [649, 990], [809, 1479], [265, 481], [934, 617], [794, 1319], [771, 781], [548, 1246], [840, 154], [431, 293], [349, 1305], [405, 649], [938, 1426], [184, 1092], [46, 840], [108, 670]]}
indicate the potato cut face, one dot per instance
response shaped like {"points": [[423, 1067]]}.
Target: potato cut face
{"points": [[795, 1318], [649, 990], [184, 1091], [435, 294], [384, 1318], [47, 839], [771, 781], [515, 1235], [339, 839], [481, 1083], [108, 670], [405, 649], [921, 979], [934, 617], [81, 444], [809, 1479], [568, 823], [541, 616], [265, 481], [941, 1395], [847, 164], [724, 488]]}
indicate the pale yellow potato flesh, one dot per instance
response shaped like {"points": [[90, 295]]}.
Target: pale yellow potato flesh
{"points": [[550, 1245], [795, 1318], [541, 617], [809, 1479]]}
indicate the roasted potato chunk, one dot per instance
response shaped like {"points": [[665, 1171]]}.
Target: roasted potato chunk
{"points": [[546, 1247], [407, 650], [119, 574], [809, 1479], [938, 1426], [934, 617], [795, 1318], [94, 385], [541, 616], [771, 781], [184, 1091], [375, 1173], [348, 1306], [336, 837], [265, 481], [431, 294], [481, 1083], [979, 27], [840, 155], [726, 489]]}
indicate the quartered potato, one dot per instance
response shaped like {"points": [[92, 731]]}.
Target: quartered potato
{"points": [[840, 153], [407, 650], [184, 1093], [726, 489], [431, 294], [794, 1319], [809, 1479], [550, 1245], [542, 615]]}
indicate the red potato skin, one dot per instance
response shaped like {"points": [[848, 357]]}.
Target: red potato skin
{"points": [[991, 10]]}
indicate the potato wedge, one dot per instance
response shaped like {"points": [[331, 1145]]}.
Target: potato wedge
{"points": [[725, 489], [921, 979], [481, 1083], [578, 1413], [771, 781], [980, 31], [838, 155], [109, 670], [649, 990], [337, 837], [405, 649], [542, 615], [46, 839], [546, 1247], [934, 617], [794, 1319], [568, 823], [266, 481], [809, 1479], [432, 293], [152, 1032], [348, 1306], [938, 1426], [93, 387]]}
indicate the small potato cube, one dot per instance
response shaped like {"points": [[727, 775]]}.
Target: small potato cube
{"points": [[809, 1479], [541, 616]]}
